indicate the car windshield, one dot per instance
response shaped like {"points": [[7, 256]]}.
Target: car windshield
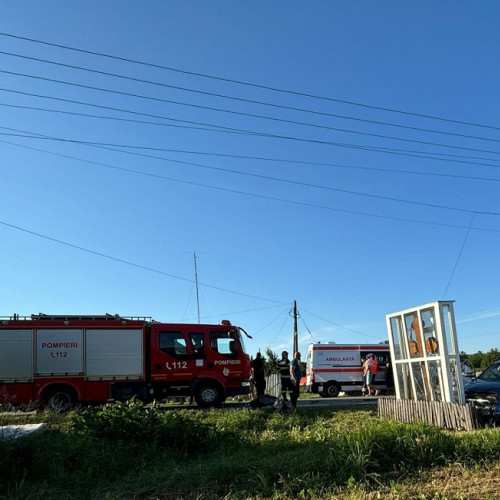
{"points": [[491, 373]]}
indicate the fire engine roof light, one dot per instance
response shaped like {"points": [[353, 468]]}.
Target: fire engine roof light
{"points": [[225, 322]]}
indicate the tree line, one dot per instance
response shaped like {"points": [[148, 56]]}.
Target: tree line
{"points": [[481, 360]]}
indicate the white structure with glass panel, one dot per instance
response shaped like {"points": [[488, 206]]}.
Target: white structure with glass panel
{"points": [[425, 354]]}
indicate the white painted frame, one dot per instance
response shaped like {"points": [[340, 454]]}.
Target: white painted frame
{"points": [[419, 372]]}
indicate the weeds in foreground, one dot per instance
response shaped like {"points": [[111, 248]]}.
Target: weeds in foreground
{"points": [[128, 451]]}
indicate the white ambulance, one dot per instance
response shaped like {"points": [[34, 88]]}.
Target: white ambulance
{"points": [[333, 368]]}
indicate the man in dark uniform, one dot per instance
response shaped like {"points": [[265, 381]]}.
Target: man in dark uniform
{"points": [[284, 369], [259, 374]]}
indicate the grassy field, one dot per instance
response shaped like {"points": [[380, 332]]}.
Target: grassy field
{"points": [[125, 452]]}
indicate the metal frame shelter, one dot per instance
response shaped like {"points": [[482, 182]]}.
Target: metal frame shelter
{"points": [[425, 355]]}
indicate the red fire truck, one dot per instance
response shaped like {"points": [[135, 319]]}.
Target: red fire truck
{"points": [[62, 360]]}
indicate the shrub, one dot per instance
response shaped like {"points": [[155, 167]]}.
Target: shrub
{"points": [[131, 422]]}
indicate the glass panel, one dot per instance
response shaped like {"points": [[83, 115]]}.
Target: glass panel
{"points": [[448, 329], [413, 332], [454, 379], [241, 338], [397, 334], [223, 342], [173, 343], [403, 380], [197, 342], [435, 380], [418, 380], [429, 325], [491, 373]]}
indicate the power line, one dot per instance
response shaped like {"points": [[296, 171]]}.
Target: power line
{"points": [[272, 197], [218, 128], [459, 255], [337, 325], [249, 84], [251, 101], [260, 158], [210, 108], [129, 263], [415, 154]]}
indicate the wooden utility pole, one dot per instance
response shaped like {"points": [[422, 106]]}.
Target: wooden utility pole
{"points": [[295, 331]]}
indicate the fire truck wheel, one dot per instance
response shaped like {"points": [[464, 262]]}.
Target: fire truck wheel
{"points": [[207, 394], [60, 399], [331, 390]]}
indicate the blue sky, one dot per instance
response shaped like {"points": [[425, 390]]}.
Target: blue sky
{"points": [[341, 154]]}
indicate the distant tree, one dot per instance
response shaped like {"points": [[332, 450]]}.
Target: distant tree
{"points": [[491, 356], [272, 361], [480, 360]]}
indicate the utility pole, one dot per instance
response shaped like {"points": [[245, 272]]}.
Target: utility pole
{"points": [[295, 331], [196, 281]]}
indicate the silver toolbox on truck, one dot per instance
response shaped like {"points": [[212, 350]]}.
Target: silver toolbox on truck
{"points": [[96, 354], [16, 355]]}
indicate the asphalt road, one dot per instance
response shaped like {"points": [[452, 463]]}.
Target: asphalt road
{"points": [[360, 401]]}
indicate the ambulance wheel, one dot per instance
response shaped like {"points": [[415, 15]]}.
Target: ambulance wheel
{"points": [[331, 390], [60, 399], [208, 394]]}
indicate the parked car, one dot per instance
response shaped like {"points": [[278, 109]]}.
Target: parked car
{"points": [[484, 393]]}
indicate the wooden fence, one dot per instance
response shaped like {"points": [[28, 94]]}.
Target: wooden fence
{"points": [[439, 414]]}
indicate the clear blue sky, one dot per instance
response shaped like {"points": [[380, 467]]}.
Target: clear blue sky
{"points": [[341, 154]]}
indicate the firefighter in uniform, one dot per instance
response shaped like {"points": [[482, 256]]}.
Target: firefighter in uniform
{"points": [[284, 369]]}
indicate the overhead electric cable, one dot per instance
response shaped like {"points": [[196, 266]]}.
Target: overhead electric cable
{"points": [[218, 128], [209, 108], [459, 255], [337, 325], [447, 158], [121, 110], [247, 84], [251, 101], [317, 186], [393, 151], [129, 263], [401, 152], [282, 200]]}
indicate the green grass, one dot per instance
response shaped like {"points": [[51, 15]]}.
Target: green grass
{"points": [[123, 451]]}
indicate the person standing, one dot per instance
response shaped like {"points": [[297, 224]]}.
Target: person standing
{"points": [[372, 368], [363, 364], [284, 370], [295, 375], [259, 374]]}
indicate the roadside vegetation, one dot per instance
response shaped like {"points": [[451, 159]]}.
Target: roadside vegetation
{"points": [[124, 451], [481, 360]]}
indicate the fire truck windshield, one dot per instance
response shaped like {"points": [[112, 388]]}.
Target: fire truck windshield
{"points": [[242, 342]]}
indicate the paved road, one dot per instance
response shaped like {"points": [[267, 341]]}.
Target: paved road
{"points": [[360, 401], [342, 401]]}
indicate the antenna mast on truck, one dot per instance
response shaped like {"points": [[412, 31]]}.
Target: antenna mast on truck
{"points": [[196, 280]]}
